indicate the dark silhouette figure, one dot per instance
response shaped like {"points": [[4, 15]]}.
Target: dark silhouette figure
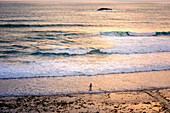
{"points": [[90, 87], [102, 9]]}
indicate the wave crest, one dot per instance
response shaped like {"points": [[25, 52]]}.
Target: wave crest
{"points": [[114, 50], [120, 33]]}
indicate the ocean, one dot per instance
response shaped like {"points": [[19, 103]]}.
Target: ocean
{"points": [[63, 39]]}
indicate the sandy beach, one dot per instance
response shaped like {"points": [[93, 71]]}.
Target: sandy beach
{"points": [[151, 94], [146, 101]]}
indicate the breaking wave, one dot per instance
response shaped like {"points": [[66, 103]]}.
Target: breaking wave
{"points": [[120, 33], [63, 68], [114, 50]]}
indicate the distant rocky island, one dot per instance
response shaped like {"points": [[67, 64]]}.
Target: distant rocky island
{"points": [[104, 9]]}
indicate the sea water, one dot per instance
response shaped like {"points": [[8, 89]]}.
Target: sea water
{"points": [[62, 39]]}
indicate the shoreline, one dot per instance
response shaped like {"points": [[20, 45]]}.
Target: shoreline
{"points": [[80, 84], [82, 75], [131, 101]]}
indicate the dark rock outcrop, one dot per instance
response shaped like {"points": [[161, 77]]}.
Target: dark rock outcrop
{"points": [[104, 9]]}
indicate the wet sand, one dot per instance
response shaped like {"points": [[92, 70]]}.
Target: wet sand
{"points": [[80, 84], [134, 101]]}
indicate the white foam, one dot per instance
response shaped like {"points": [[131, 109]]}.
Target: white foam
{"points": [[89, 65], [137, 45], [71, 51], [126, 60], [142, 34]]}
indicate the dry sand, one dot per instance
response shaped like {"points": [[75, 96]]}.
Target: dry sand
{"points": [[146, 101]]}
